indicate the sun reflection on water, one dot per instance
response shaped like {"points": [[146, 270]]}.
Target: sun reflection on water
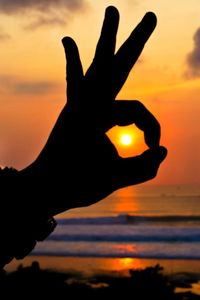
{"points": [[127, 263]]}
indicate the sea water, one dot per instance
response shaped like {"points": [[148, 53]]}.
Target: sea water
{"points": [[138, 222]]}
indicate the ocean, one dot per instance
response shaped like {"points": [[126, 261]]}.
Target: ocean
{"points": [[137, 222]]}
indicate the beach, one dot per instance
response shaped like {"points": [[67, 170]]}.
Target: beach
{"points": [[91, 265], [150, 236], [160, 279]]}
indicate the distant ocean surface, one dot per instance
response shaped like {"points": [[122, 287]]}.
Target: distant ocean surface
{"points": [[138, 222]]}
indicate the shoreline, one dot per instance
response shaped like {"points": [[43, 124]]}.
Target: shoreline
{"points": [[181, 279], [95, 264]]}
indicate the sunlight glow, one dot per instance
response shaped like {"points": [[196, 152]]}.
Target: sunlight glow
{"points": [[126, 139], [126, 264]]}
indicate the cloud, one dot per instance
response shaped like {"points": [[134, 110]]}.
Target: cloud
{"points": [[42, 12], [26, 87], [3, 36], [17, 86], [19, 6], [45, 21], [193, 58]]}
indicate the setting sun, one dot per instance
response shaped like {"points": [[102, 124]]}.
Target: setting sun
{"points": [[126, 139]]}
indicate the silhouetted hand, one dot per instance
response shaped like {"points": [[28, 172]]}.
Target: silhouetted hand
{"points": [[79, 165]]}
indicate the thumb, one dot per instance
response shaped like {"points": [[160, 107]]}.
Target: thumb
{"points": [[138, 169]]}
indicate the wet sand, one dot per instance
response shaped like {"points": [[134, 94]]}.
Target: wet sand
{"points": [[181, 278], [92, 265]]}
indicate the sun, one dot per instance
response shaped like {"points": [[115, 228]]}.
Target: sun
{"points": [[126, 139]]}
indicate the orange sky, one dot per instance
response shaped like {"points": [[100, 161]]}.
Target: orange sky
{"points": [[32, 75]]}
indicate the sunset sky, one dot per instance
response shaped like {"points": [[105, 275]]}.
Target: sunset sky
{"points": [[166, 78]]}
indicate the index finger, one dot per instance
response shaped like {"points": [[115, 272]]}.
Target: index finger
{"points": [[129, 52], [128, 112]]}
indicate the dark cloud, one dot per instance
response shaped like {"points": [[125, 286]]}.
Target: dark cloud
{"points": [[42, 12], [193, 58], [19, 86], [18, 6]]}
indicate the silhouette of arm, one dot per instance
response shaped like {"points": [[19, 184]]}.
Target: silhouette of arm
{"points": [[79, 165]]}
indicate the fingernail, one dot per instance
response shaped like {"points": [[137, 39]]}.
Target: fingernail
{"points": [[67, 40], [151, 18], [112, 11], [111, 8]]}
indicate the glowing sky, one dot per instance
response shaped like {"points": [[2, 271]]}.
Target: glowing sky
{"points": [[166, 78]]}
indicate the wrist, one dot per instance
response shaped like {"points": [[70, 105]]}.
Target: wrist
{"points": [[21, 224]]}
